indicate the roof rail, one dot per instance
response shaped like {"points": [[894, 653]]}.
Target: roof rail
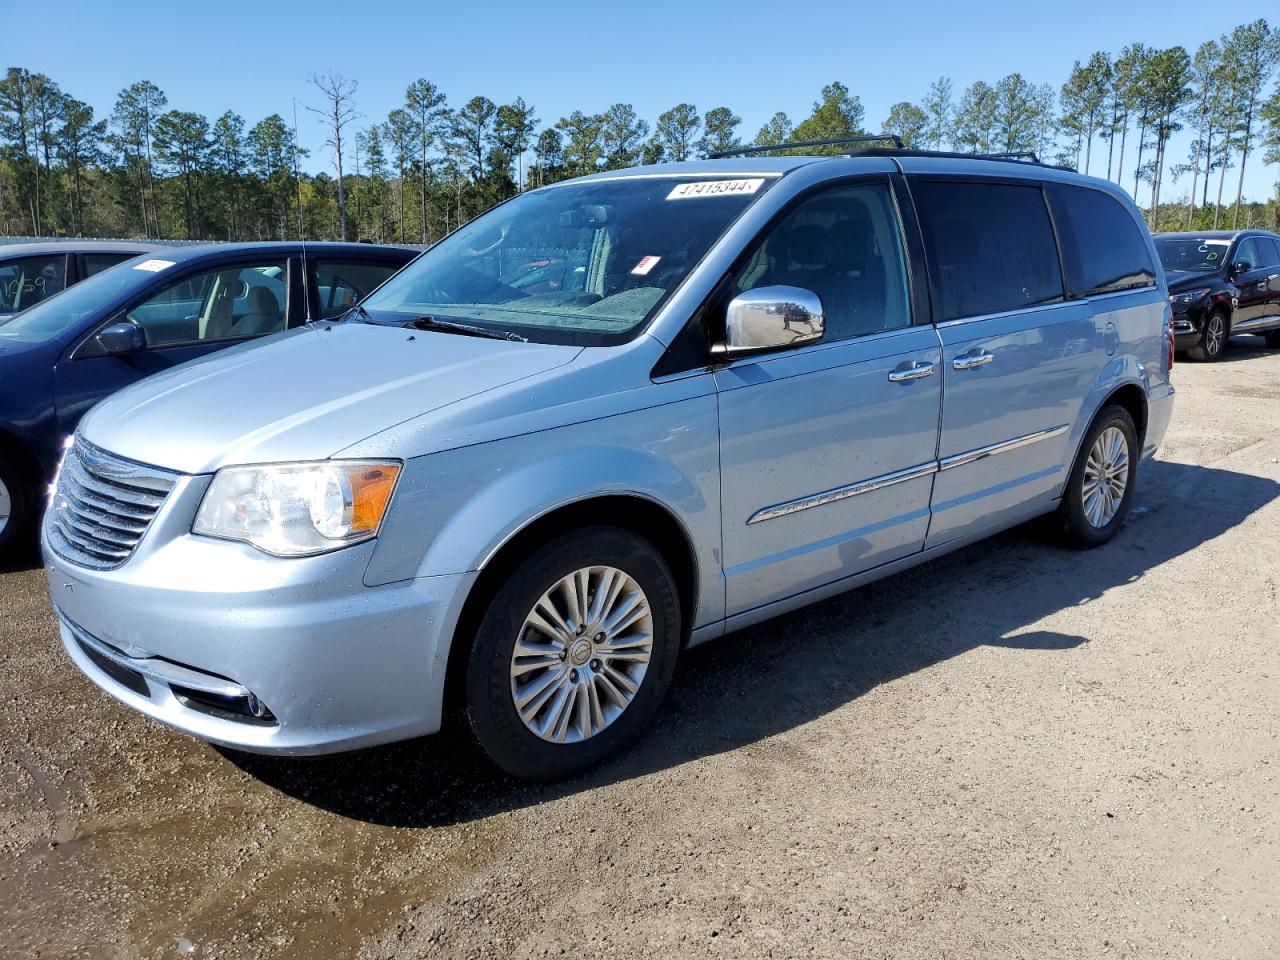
{"points": [[1012, 155], [796, 144]]}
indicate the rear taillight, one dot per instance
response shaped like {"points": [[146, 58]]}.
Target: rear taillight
{"points": [[1168, 337]]}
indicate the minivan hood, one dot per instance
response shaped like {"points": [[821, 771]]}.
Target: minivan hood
{"points": [[304, 395]]}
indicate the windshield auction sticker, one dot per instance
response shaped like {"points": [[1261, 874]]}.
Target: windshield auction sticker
{"points": [[153, 266], [715, 188]]}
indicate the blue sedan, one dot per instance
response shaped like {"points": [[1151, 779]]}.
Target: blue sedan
{"points": [[67, 352]]}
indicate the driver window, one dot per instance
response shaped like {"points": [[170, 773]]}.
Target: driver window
{"points": [[225, 303], [845, 246], [1247, 253]]}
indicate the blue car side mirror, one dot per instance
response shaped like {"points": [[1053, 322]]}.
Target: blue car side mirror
{"points": [[119, 339]]}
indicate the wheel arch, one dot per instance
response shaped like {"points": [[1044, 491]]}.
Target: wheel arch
{"points": [[631, 511], [1132, 397]]}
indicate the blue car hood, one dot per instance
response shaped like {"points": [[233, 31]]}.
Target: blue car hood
{"points": [[304, 395]]}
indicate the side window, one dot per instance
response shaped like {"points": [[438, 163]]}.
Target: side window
{"points": [[97, 262], [845, 246], [1274, 244], [225, 303], [26, 281], [340, 284], [990, 246], [1102, 245], [1247, 252]]}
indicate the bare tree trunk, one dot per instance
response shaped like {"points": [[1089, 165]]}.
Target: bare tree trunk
{"points": [[1124, 135], [1244, 156], [1222, 177]]}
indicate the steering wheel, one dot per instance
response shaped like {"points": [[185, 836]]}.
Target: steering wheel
{"points": [[480, 251]]}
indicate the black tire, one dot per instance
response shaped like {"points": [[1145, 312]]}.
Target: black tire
{"points": [[1078, 530], [17, 535], [1273, 339], [489, 696], [1214, 334]]}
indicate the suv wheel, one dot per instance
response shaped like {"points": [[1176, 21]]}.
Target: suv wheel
{"points": [[1273, 339], [1213, 336], [1100, 487], [574, 653], [18, 507]]}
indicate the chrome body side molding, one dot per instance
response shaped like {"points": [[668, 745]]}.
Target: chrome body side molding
{"points": [[902, 476]]}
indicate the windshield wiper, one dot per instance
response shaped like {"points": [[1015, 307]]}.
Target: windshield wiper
{"points": [[466, 329]]}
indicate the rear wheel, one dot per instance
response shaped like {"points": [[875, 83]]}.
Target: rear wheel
{"points": [[1273, 339], [574, 653], [1213, 337], [1100, 487]]}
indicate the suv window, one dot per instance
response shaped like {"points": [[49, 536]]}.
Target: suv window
{"points": [[845, 246], [1268, 251], [1102, 246], [25, 281], [340, 284], [97, 262], [224, 303], [1247, 252], [990, 246]]}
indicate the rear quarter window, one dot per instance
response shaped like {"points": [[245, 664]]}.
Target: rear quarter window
{"points": [[990, 246], [1103, 247]]}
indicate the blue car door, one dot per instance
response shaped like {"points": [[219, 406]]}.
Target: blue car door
{"points": [[1017, 356], [827, 450], [195, 314]]}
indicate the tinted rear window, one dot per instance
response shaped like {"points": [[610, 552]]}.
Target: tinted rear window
{"points": [[1103, 248], [990, 246], [1269, 251]]}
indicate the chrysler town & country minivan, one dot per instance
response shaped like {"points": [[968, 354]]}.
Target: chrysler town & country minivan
{"points": [[755, 383]]}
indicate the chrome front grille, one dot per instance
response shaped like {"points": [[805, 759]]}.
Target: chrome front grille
{"points": [[102, 505]]}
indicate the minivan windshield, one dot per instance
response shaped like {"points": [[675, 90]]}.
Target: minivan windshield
{"points": [[583, 263], [56, 315], [1195, 254]]}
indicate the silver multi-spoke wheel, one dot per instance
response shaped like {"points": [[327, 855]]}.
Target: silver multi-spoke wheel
{"points": [[582, 654], [6, 505], [1214, 334], [1106, 475]]}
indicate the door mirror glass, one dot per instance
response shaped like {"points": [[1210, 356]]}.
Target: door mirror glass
{"points": [[770, 318], [121, 339]]}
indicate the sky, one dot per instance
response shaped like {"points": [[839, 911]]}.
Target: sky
{"points": [[757, 58]]}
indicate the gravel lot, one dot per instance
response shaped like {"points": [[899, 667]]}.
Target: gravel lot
{"points": [[1015, 751]]}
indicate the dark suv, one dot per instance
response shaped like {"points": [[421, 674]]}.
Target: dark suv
{"points": [[64, 354], [1221, 283]]}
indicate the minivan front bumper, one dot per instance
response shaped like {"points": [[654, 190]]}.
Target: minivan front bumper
{"points": [[258, 653]]}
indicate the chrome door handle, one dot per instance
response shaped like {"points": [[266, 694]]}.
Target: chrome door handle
{"points": [[972, 359], [912, 371]]}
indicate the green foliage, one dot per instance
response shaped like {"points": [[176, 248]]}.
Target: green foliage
{"points": [[427, 167]]}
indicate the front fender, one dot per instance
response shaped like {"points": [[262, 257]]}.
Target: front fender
{"points": [[454, 510]]}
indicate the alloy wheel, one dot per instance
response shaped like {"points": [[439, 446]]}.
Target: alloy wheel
{"points": [[581, 654], [1106, 476], [1214, 334]]}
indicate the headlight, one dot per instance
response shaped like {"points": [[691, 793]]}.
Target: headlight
{"points": [[298, 509], [1190, 296]]}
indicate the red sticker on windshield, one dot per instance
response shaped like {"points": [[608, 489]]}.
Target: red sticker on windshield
{"points": [[645, 265]]}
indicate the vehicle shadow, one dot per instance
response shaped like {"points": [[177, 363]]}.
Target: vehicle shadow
{"points": [[742, 689]]}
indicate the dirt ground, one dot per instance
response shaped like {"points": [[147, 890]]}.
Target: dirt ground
{"points": [[1015, 751]]}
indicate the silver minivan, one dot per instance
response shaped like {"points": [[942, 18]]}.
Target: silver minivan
{"points": [[609, 419]]}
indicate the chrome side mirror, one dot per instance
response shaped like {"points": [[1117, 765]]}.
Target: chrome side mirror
{"points": [[770, 318]]}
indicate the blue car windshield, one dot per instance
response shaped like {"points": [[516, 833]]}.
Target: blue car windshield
{"points": [[59, 313], [584, 263]]}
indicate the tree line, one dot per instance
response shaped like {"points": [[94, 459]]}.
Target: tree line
{"points": [[428, 166]]}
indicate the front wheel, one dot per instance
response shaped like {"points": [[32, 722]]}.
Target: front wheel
{"points": [[1213, 337], [19, 507], [574, 653], [1100, 487]]}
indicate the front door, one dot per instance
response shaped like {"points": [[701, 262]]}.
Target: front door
{"points": [[827, 451], [1017, 356], [194, 315], [1259, 285]]}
